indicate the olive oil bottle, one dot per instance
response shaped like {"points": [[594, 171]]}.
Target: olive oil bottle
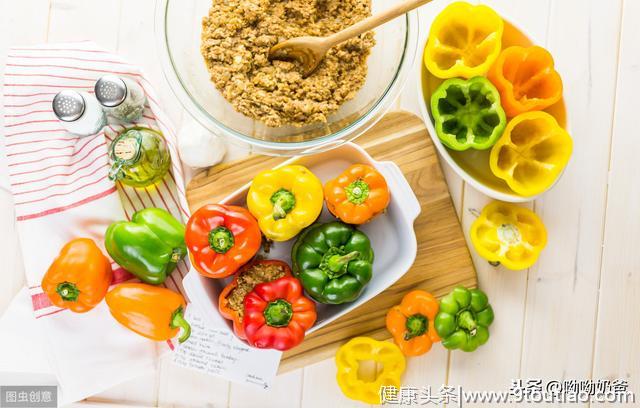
{"points": [[139, 157]]}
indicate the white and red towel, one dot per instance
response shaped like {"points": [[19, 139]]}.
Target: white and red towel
{"points": [[61, 191]]}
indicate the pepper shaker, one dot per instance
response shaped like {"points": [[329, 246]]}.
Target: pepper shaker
{"points": [[121, 98], [79, 112]]}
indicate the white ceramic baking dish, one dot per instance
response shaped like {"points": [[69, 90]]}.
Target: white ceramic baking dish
{"points": [[391, 234]]}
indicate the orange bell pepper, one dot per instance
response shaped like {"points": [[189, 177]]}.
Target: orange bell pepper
{"points": [[357, 195], [255, 276], [411, 323], [526, 79], [79, 277], [153, 312]]}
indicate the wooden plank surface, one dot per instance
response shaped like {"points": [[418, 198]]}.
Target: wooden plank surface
{"points": [[442, 261]]}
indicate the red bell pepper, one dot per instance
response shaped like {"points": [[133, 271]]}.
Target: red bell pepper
{"points": [[221, 238], [276, 314]]}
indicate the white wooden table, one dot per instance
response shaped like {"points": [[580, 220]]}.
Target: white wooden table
{"points": [[574, 315]]}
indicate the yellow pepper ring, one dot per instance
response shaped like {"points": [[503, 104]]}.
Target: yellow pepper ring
{"points": [[285, 200], [509, 235], [359, 349]]}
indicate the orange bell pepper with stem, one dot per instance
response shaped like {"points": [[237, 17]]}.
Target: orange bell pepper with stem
{"points": [[224, 304], [151, 311], [526, 79], [79, 277], [411, 323], [357, 195]]}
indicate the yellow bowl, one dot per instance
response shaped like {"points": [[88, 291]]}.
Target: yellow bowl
{"points": [[473, 165]]}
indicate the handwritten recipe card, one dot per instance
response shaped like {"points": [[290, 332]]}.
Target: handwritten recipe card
{"points": [[217, 351]]}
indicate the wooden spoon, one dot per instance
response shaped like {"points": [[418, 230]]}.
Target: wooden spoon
{"points": [[310, 51]]}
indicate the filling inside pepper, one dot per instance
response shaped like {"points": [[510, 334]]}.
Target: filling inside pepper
{"points": [[416, 326], [248, 279], [369, 370], [335, 262], [68, 291], [471, 117], [357, 192], [509, 235], [278, 313], [283, 202], [221, 239]]}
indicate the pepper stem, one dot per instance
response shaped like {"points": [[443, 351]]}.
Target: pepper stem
{"points": [[178, 321], [467, 321], [283, 202], [68, 291], [357, 192], [278, 313], [221, 239], [416, 326]]}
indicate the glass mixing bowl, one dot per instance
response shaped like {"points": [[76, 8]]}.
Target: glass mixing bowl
{"points": [[178, 27]]}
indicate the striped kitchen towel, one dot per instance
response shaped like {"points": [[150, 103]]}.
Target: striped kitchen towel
{"points": [[61, 191]]}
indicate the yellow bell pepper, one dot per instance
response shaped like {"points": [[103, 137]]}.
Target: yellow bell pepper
{"points": [[285, 200], [464, 41], [359, 349], [531, 154], [509, 235]]}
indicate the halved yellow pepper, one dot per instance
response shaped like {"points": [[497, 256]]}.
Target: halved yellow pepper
{"points": [[531, 154], [358, 349], [464, 41], [285, 200], [509, 235]]}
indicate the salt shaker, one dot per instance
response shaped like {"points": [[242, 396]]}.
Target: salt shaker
{"points": [[121, 98], [79, 112]]}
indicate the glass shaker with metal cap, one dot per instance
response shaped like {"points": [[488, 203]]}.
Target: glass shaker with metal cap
{"points": [[121, 98], [79, 112], [139, 157]]}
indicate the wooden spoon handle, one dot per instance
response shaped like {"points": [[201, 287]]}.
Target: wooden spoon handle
{"points": [[374, 21]]}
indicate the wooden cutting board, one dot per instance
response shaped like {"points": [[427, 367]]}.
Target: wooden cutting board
{"points": [[443, 259]]}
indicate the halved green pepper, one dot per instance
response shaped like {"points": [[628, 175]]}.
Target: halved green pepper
{"points": [[149, 246], [464, 319], [468, 114], [334, 262]]}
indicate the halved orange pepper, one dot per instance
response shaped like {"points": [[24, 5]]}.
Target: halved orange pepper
{"points": [[151, 311], [526, 79], [79, 277], [224, 305], [464, 41], [411, 323], [357, 195], [531, 154]]}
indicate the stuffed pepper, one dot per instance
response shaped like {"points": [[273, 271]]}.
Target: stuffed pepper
{"points": [[153, 312], [149, 246], [79, 277], [285, 201], [526, 79], [467, 114], [411, 323], [277, 315], [349, 376], [509, 235], [357, 195], [231, 300], [531, 154], [464, 41], [464, 319], [334, 262]]}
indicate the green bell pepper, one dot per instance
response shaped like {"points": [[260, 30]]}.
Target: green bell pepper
{"points": [[149, 246], [334, 262], [464, 319], [468, 114]]}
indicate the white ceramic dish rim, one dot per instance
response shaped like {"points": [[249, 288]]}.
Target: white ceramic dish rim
{"points": [[425, 111], [403, 201], [350, 132]]}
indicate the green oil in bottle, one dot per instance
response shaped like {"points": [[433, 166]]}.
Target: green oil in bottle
{"points": [[139, 157]]}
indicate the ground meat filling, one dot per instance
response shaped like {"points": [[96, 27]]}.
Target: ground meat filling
{"points": [[248, 279], [237, 36]]}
